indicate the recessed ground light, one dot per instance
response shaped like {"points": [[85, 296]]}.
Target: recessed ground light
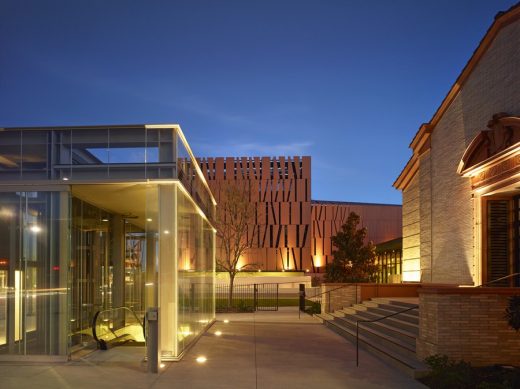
{"points": [[65, 178], [166, 232], [149, 219], [162, 365], [218, 333], [104, 219], [201, 359], [226, 321]]}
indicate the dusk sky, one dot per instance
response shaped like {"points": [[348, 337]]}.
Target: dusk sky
{"points": [[346, 82]]}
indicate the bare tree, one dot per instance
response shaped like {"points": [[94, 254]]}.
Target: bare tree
{"points": [[234, 216]]}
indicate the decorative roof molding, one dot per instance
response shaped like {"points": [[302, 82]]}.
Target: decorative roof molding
{"points": [[408, 173], [491, 145]]}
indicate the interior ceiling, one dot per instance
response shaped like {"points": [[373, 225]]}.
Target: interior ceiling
{"points": [[124, 199]]}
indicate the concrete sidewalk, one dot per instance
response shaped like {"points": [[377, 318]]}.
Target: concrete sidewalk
{"points": [[258, 350]]}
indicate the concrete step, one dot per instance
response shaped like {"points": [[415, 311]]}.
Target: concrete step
{"points": [[394, 321], [380, 326], [323, 317], [401, 302], [376, 336], [404, 316], [409, 365], [411, 311]]}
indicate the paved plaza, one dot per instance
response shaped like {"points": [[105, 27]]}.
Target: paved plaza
{"points": [[257, 350]]}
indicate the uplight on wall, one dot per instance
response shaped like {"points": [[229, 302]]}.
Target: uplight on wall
{"points": [[318, 261], [411, 270]]}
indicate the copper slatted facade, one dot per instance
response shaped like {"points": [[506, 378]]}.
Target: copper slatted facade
{"points": [[280, 188], [291, 232]]}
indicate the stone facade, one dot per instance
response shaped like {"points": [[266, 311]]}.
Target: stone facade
{"points": [[339, 296], [411, 231], [445, 238], [467, 324]]}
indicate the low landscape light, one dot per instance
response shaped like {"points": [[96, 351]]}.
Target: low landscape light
{"points": [[218, 333], [226, 321], [201, 359]]}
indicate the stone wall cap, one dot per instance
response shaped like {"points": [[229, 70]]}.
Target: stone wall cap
{"points": [[436, 289]]}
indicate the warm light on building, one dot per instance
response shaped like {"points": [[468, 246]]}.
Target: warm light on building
{"points": [[411, 270]]}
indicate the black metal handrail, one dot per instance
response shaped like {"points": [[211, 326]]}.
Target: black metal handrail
{"points": [[498, 279], [101, 342], [373, 321]]}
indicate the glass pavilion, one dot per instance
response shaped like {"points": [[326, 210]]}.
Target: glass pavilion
{"points": [[97, 218]]}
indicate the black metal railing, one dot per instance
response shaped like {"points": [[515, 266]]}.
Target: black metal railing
{"points": [[247, 297], [498, 280], [376, 320], [117, 325]]}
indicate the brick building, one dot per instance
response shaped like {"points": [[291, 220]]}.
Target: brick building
{"points": [[291, 232], [461, 186]]}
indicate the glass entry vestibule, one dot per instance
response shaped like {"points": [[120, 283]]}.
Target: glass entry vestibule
{"points": [[94, 219], [66, 255]]}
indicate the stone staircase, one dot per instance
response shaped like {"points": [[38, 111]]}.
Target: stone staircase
{"points": [[391, 339]]}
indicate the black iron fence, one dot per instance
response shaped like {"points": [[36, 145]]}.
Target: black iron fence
{"points": [[246, 297]]}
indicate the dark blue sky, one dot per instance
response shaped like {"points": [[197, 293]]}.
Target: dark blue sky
{"points": [[347, 82]]}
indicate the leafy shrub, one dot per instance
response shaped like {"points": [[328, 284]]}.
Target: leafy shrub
{"points": [[314, 308], [244, 306], [446, 373]]}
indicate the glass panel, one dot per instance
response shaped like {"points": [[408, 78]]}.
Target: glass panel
{"points": [[90, 268], [195, 266], [34, 154], [34, 252], [10, 155], [190, 179], [168, 272], [89, 153]]}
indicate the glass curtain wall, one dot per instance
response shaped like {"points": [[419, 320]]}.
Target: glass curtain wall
{"points": [[34, 252]]}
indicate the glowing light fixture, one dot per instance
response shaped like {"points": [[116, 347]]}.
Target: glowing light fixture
{"points": [[218, 333], [149, 219], [162, 365], [226, 321], [65, 178], [104, 219], [35, 228], [201, 359], [166, 232]]}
